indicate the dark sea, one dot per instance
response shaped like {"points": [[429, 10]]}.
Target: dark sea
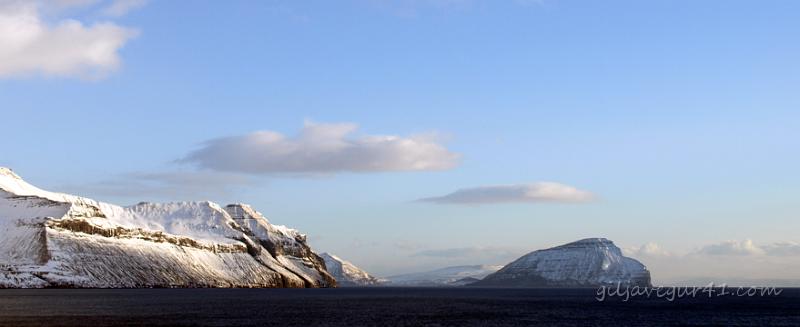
{"points": [[386, 307]]}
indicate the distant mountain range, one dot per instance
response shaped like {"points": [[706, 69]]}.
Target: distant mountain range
{"points": [[585, 263], [449, 276]]}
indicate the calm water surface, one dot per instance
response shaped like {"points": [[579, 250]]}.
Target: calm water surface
{"points": [[382, 307]]}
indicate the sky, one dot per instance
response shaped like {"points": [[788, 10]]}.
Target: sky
{"points": [[415, 134]]}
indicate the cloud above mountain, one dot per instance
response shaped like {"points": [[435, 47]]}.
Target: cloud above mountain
{"points": [[322, 149], [522, 193], [35, 44], [650, 249]]}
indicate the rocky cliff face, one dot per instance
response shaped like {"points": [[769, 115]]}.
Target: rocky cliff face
{"points": [[57, 240], [347, 274], [585, 263]]}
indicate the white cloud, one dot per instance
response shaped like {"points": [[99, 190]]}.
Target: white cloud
{"points": [[734, 262], [726, 248], [525, 193], [783, 249], [119, 8], [746, 247], [647, 250], [65, 4], [29, 45], [322, 148]]}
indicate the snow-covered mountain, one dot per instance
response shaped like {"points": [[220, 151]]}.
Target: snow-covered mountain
{"points": [[450, 276], [584, 263], [51, 239], [347, 274]]}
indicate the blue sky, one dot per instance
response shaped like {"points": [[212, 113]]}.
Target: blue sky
{"points": [[679, 117]]}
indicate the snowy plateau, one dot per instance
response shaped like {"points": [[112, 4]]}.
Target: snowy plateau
{"points": [[51, 239]]}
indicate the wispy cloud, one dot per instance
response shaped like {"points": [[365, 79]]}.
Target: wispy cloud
{"points": [[523, 193], [783, 249], [721, 262], [119, 8], [174, 185], [322, 148], [748, 247], [726, 248], [30, 45]]}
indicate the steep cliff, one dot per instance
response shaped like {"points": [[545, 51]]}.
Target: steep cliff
{"points": [[347, 274], [51, 239]]}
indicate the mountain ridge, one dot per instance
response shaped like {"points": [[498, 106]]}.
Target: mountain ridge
{"points": [[50, 239], [447, 276]]}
